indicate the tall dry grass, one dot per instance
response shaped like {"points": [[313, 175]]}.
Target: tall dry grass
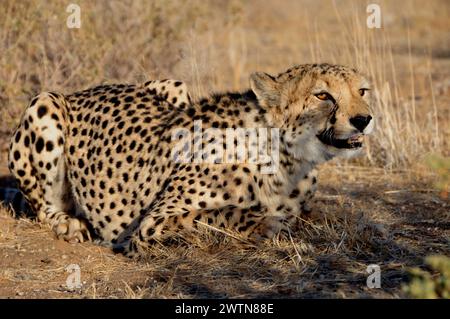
{"points": [[215, 45]]}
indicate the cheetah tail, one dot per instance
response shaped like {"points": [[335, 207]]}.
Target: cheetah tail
{"points": [[12, 198]]}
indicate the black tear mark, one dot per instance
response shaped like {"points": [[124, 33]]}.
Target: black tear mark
{"points": [[333, 112]]}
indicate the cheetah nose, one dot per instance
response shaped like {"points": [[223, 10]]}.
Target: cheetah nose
{"points": [[361, 121]]}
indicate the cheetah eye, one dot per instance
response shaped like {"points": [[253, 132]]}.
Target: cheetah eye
{"points": [[362, 91], [324, 96]]}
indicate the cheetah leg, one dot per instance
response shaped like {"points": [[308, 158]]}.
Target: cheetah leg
{"points": [[299, 207], [306, 207], [36, 159], [162, 223], [269, 227], [285, 219], [252, 222], [158, 225]]}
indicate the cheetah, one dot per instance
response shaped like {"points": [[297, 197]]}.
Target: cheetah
{"points": [[100, 163]]}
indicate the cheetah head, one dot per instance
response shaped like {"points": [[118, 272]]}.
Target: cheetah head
{"points": [[322, 110]]}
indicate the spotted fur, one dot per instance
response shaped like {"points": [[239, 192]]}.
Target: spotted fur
{"points": [[98, 163]]}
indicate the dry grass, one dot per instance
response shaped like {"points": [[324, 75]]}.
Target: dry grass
{"points": [[383, 208]]}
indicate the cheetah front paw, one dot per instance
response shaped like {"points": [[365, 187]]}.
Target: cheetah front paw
{"points": [[72, 230], [129, 248], [269, 228]]}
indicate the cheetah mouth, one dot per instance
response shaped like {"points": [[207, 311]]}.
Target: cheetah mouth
{"points": [[354, 141]]}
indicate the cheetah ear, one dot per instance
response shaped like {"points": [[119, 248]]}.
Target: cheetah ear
{"points": [[266, 89]]}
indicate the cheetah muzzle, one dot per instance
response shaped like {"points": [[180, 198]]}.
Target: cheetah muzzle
{"points": [[354, 141]]}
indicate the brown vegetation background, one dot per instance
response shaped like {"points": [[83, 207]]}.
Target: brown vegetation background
{"points": [[390, 207]]}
